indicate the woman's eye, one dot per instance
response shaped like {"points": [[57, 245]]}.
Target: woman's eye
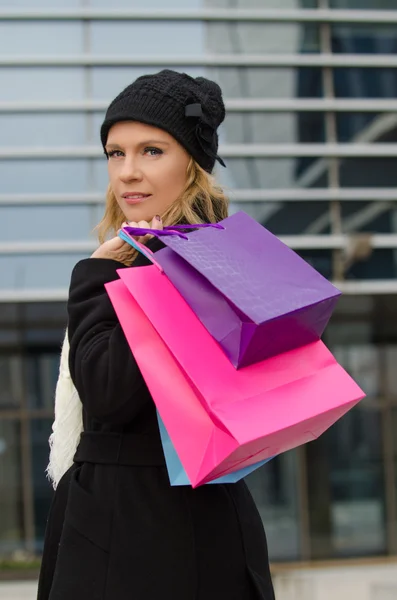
{"points": [[114, 153], [152, 151]]}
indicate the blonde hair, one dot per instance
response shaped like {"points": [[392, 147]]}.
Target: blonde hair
{"points": [[202, 201]]}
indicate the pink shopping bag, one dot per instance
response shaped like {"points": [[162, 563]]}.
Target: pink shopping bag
{"points": [[221, 419]]}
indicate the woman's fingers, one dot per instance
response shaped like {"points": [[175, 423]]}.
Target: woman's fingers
{"points": [[156, 223], [110, 248], [114, 244]]}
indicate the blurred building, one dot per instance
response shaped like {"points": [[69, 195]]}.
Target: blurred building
{"points": [[311, 148]]}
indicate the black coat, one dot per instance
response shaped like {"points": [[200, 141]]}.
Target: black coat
{"points": [[117, 530]]}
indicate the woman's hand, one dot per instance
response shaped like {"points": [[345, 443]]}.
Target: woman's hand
{"points": [[155, 224], [116, 248]]}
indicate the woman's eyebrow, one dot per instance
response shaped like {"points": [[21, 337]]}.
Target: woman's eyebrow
{"points": [[144, 143]]}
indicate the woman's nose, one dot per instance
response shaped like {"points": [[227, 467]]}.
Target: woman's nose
{"points": [[130, 170]]}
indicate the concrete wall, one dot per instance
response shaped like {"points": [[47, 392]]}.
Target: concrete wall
{"points": [[344, 583]]}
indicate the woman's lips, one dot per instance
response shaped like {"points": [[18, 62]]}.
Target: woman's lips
{"points": [[135, 198]]}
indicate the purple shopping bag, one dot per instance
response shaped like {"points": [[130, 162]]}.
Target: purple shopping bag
{"points": [[253, 294]]}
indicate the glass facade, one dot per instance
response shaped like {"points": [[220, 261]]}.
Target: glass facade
{"points": [[310, 143]]}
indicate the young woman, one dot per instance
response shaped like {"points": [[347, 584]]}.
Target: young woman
{"points": [[117, 530]]}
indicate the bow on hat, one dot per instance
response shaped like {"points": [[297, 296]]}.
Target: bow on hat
{"points": [[205, 133]]}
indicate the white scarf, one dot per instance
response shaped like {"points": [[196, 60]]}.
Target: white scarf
{"points": [[68, 422]]}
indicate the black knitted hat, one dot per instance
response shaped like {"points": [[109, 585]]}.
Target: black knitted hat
{"points": [[190, 109]]}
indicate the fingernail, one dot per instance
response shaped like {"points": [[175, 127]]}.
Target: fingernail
{"points": [[158, 217]]}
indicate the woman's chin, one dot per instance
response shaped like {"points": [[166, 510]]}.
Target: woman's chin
{"points": [[137, 213]]}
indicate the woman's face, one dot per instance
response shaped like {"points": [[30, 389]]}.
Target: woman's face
{"points": [[147, 169]]}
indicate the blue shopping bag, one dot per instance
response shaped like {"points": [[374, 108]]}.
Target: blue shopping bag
{"points": [[177, 473]]}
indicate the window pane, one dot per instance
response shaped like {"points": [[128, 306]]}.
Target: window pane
{"points": [[364, 39], [376, 217], [44, 271], [37, 327], [368, 172], [292, 218], [382, 264], [363, 4], [23, 316], [345, 469], [287, 218], [394, 428], [273, 173], [45, 84], [44, 176], [391, 373], [321, 260], [41, 374], [267, 82], [51, 223], [11, 512], [11, 390], [362, 319], [274, 488], [272, 128], [42, 130], [9, 335], [40, 430], [41, 3], [369, 127], [100, 176], [355, 82], [261, 38], [41, 38], [148, 38], [142, 4], [259, 4]]}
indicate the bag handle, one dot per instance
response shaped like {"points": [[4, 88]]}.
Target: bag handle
{"points": [[169, 230], [141, 248], [127, 234]]}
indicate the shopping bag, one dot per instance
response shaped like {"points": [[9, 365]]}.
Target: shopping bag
{"points": [[177, 473], [221, 419], [254, 294]]}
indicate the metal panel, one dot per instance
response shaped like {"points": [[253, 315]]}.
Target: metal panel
{"points": [[253, 15], [236, 195], [298, 242], [376, 105], [226, 150], [354, 288], [206, 60]]}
